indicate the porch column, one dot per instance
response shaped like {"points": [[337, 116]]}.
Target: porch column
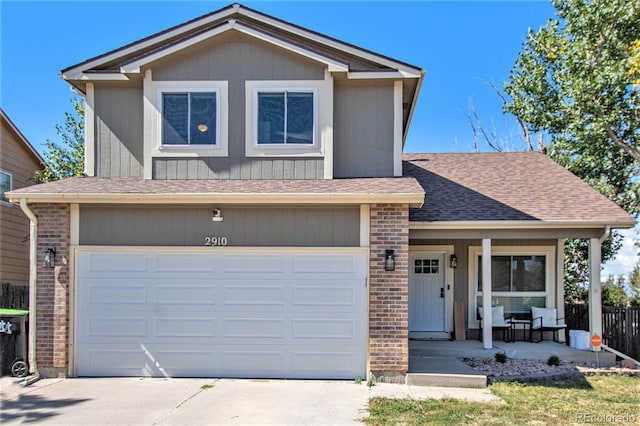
{"points": [[595, 289], [487, 321], [560, 282]]}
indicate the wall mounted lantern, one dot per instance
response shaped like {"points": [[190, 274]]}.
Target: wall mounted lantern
{"points": [[389, 260], [50, 257], [454, 261], [216, 215]]}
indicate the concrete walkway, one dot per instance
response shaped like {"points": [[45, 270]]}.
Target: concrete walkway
{"points": [[133, 401]]}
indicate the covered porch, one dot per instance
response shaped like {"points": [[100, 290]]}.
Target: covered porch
{"points": [[438, 362]]}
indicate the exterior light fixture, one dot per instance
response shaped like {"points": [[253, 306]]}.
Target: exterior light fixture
{"points": [[454, 261], [50, 257], [203, 127], [216, 215], [389, 260]]}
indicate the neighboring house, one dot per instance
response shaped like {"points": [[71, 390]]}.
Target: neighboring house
{"points": [[18, 162], [247, 212]]}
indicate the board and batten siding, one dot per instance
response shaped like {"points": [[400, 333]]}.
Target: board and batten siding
{"points": [[247, 168], [363, 129], [236, 58], [118, 130], [14, 230], [155, 225]]}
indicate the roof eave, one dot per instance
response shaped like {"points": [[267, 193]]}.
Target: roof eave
{"points": [[521, 224], [412, 199]]}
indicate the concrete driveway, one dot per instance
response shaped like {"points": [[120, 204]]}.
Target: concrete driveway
{"points": [[135, 401]]}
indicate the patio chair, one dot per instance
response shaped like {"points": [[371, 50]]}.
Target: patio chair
{"points": [[498, 322], [545, 319]]}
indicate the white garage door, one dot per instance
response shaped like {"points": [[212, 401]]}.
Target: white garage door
{"points": [[224, 313]]}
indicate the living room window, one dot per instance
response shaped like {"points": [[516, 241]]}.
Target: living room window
{"points": [[520, 278], [6, 185], [190, 118]]}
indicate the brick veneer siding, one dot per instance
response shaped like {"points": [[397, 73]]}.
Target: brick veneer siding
{"points": [[52, 293], [389, 293]]}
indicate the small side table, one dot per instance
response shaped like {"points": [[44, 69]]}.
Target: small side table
{"points": [[514, 328]]}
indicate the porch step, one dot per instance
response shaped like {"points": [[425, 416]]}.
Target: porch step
{"points": [[446, 372]]}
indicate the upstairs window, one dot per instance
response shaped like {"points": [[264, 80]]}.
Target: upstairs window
{"points": [[190, 118], [5, 185], [285, 117]]}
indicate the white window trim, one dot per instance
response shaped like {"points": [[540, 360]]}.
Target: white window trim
{"points": [[10, 186], [153, 91], [476, 251], [323, 118]]}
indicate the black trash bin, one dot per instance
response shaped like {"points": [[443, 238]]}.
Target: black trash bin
{"points": [[14, 329]]}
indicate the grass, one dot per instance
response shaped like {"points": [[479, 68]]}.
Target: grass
{"points": [[544, 403]]}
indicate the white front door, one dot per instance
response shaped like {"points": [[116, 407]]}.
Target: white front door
{"points": [[427, 292]]}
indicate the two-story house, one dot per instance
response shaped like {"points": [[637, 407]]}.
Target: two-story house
{"points": [[247, 212]]}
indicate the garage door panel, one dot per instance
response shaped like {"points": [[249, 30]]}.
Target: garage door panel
{"points": [[221, 314], [167, 263], [184, 327], [185, 295], [253, 294], [253, 265]]}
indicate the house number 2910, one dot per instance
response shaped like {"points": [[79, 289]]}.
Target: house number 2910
{"points": [[215, 241]]}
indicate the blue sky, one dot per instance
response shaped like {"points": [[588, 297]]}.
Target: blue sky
{"points": [[460, 44]]}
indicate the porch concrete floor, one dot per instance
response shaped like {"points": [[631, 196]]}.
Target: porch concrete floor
{"points": [[521, 350]]}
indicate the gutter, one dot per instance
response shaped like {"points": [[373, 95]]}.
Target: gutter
{"points": [[606, 234], [33, 271]]}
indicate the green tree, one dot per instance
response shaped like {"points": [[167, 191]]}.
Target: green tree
{"points": [[613, 293], [65, 159], [634, 285], [576, 265], [577, 79]]}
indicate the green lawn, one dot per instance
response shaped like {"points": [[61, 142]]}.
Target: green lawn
{"points": [[591, 400]]}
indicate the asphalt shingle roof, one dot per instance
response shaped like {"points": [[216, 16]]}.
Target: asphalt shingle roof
{"points": [[506, 186], [82, 188]]}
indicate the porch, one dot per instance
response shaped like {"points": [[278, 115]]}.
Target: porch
{"points": [[436, 363]]}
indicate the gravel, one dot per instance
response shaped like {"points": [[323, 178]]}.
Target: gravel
{"points": [[527, 370]]}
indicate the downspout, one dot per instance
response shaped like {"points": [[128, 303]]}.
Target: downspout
{"points": [[33, 271], [606, 234]]}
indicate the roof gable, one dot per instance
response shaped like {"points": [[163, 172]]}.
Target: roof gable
{"points": [[23, 140], [341, 55]]}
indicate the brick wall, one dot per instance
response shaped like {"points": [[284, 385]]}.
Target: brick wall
{"points": [[389, 293], [52, 291]]}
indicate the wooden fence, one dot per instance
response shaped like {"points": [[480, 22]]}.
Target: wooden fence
{"points": [[14, 296], [620, 326]]}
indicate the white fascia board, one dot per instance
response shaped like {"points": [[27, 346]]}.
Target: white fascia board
{"points": [[75, 72], [378, 75], [414, 200], [516, 224], [412, 108], [329, 42], [134, 66], [332, 64], [99, 76]]}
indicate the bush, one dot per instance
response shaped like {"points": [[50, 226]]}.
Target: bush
{"points": [[501, 357], [554, 360]]}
